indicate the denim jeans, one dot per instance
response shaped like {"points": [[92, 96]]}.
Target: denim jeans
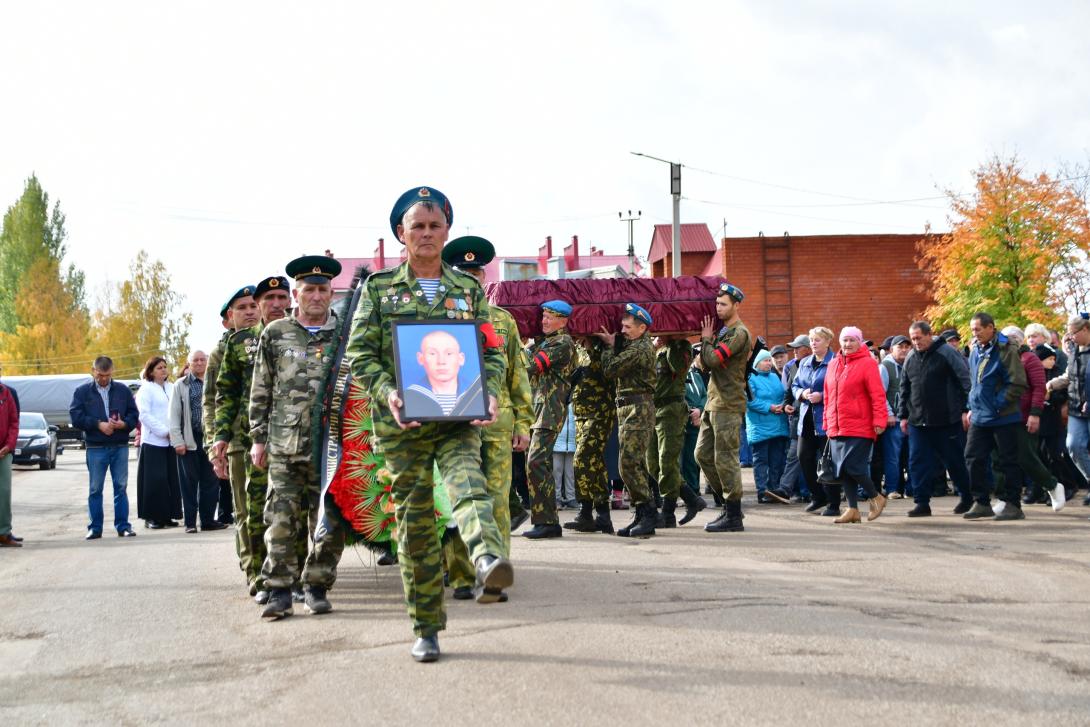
{"points": [[200, 488], [745, 452], [769, 458], [1078, 438], [925, 444], [116, 460], [893, 440], [792, 482]]}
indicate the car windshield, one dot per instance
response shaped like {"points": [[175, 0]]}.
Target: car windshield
{"points": [[31, 420]]}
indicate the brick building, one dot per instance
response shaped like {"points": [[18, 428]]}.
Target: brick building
{"points": [[699, 253], [795, 283]]}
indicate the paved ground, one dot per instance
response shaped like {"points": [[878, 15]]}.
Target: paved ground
{"points": [[935, 621]]}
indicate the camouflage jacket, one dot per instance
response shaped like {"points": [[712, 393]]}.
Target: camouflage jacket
{"points": [[236, 374], [671, 365], [726, 358], [592, 392], [515, 395], [393, 295], [551, 364], [631, 364], [208, 405], [289, 376]]}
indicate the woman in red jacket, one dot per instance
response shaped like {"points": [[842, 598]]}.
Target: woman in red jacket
{"points": [[855, 414]]}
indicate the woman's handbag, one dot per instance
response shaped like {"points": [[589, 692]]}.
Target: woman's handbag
{"points": [[826, 470]]}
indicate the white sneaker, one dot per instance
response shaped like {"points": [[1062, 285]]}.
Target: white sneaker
{"points": [[1059, 497], [998, 506]]}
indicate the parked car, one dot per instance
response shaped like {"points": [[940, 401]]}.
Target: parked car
{"points": [[37, 442]]}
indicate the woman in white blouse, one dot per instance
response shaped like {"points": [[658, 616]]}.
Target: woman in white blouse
{"points": [[158, 495]]}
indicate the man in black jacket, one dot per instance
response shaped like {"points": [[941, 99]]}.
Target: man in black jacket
{"points": [[934, 394], [106, 412]]}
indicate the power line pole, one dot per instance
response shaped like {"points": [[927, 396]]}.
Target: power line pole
{"points": [[631, 246], [675, 192]]}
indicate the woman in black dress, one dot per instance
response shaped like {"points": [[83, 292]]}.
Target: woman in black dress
{"points": [[158, 495]]}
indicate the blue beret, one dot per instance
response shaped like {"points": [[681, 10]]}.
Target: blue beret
{"points": [[558, 307], [733, 292], [638, 312], [244, 291], [415, 195]]}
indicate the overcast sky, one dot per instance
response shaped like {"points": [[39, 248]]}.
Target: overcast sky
{"points": [[227, 138]]}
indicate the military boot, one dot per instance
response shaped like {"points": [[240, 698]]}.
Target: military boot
{"points": [[711, 527], [623, 532], [315, 600], [279, 604], [694, 503], [602, 520], [584, 521], [645, 524], [731, 523], [669, 520]]}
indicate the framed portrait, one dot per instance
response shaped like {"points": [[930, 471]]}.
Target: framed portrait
{"points": [[439, 367]]}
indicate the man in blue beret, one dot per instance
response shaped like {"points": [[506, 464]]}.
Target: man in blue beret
{"points": [[231, 428], [629, 360], [426, 288], [552, 363], [725, 355], [243, 312]]}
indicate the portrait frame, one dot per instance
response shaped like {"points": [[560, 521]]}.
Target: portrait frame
{"points": [[415, 382]]}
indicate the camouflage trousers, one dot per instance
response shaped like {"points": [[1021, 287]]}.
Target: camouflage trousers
{"points": [[496, 463], [664, 452], [455, 448], [253, 519], [539, 477], [717, 452], [290, 508], [591, 435], [236, 472], [635, 423]]}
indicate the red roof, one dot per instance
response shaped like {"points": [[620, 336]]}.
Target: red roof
{"points": [[695, 237]]}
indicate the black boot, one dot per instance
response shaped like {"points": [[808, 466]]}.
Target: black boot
{"points": [[732, 520], [656, 497], [818, 500], [602, 521], [694, 503], [636, 513], [832, 496], [710, 527], [584, 521], [645, 522], [669, 520]]}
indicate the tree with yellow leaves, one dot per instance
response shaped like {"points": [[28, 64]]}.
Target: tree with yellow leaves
{"points": [[1017, 249], [48, 339], [139, 318]]}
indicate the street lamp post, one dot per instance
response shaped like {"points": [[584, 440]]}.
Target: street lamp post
{"points": [[675, 192], [631, 246]]}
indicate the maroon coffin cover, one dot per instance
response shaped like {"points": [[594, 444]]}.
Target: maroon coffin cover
{"points": [[677, 305]]}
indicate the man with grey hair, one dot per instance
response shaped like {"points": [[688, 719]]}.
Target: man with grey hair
{"points": [[200, 486], [1032, 405]]}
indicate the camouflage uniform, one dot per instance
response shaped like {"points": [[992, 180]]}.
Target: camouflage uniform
{"points": [[291, 368], [513, 416], [552, 361], [664, 455], [632, 365], [455, 447], [595, 416], [725, 357], [233, 383], [236, 458]]}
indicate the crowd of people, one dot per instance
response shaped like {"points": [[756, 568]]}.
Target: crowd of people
{"points": [[603, 421]]}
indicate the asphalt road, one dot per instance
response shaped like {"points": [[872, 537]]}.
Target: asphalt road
{"points": [[795, 621]]}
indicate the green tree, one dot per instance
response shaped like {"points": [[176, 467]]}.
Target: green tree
{"points": [[139, 318], [32, 232], [48, 339], [1016, 249]]}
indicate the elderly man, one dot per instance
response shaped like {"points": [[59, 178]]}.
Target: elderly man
{"points": [[725, 354], [200, 486], [106, 412], [425, 288]]}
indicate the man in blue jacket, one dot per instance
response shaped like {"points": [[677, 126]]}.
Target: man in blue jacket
{"points": [[106, 412], [998, 380]]}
